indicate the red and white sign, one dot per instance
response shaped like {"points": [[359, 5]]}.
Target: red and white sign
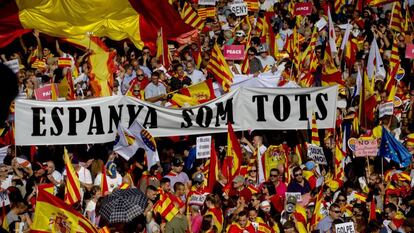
{"points": [[366, 147], [409, 51], [234, 52], [45, 92], [303, 8]]}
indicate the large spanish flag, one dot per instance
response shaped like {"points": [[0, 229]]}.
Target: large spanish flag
{"points": [[53, 215], [137, 20]]}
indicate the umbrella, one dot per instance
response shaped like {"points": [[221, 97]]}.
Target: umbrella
{"points": [[123, 205]]}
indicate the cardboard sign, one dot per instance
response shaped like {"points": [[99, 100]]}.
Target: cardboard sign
{"points": [[366, 147], [4, 199], [203, 147], [316, 153], [207, 2], [196, 199], [386, 109], [409, 51], [45, 92], [347, 227], [234, 52], [321, 23], [13, 65], [303, 8], [297, 195], [240, 9]]}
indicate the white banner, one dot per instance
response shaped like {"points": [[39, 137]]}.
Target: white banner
{"points": [[96, 120], [239, 9]]}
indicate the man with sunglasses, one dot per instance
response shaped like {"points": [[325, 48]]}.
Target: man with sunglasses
{"points": [[325, 225], [299, 183]]}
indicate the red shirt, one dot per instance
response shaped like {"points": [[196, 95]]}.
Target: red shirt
{"points": [[236, 228], [245, 193]]}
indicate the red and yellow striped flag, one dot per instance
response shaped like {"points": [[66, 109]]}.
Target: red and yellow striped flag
{"points": [[64, 62], [104, 229], [218, 218], [165, 207], [233, 160], [245, 66], [315, 134], [190, 16], [220, 69], [53, 215], [337, 5], [391, 84], [252, 5], [301, 219], [310, 53], [396, 22], [72, 187], [379, 2], [339, 163], [206, 12], [317, 215], [292, 47]]}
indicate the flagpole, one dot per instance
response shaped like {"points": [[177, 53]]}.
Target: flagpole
{"points": [[162, 46]]}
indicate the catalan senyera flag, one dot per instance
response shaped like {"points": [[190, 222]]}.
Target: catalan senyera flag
{"points": [[220, 69], [292, 47], [310, 52], [339, 165], [72, 186], [262, 25], [233, 160], [165, 207], [407, 21], [163, 53], [252, 5], [53, 215], [315, 134], [317, 215], [104, 230], [190, 16], [206, 12], [337, 5], [391, 84], [101, 62], [245, 66], [396, 22], [140, 20], [379, 2], [64, 62]]}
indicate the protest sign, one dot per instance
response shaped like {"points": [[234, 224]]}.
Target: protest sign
{"points": [[240, 9], [96, 120], [196, 199], [233, 52], [207, 2], [13, 65], [45, 92], [4, 199], [386, 109], [296, 195], [409, 51], [347, 227], [203, 147], [316, 153], [303, 8], [366, 147], [351, 144]]}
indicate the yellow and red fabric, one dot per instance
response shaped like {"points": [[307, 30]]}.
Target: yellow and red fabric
{"points": [[391, 84], [396, 22], [104, 182], [72, 187], [213, 172], [190, 17], [220, 69], [136, 20], [218, 218], [53, 215], [163, 52], [64, 62], [206, 12], [165, 207], [315, 134], [233, 160], [379, 2]]}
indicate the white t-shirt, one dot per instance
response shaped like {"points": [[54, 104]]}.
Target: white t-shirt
{"points": [[196, 77], [152, 90], [7, 182], [112, 183]]}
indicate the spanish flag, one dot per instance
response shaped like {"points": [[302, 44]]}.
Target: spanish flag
{"points": [[163, 53], [165, 207], [53, 215], [220, 69], [138, 21], [101, 62], [218, 218], [72, 187], [202, 91], [64, 62], [233, 160], [50, 188]]}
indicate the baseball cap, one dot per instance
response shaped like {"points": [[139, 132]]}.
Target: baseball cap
{"points": [[265, 205], [177, 162], [238, 179], [199, 177]]}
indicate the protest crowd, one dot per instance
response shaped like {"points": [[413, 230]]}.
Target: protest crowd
{"points": [[352, 174]]}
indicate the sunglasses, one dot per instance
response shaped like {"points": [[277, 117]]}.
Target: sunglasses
{"points": [[273, 175], [298, 174], [140, 75], [250, 54], [336, 211], [253, 170], [341, 200]]}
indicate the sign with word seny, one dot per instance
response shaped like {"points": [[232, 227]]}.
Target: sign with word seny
{"points": [[203, 147], [240, 9], [316, 153]]}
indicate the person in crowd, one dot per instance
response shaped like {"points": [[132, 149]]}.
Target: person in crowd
{"points": [[113, 178], [180, 79], [194, 74], [325, 225], [176, 174], [155, 91], [299, 183]]}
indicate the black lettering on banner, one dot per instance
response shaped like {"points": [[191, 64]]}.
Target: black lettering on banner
{"points": [[132, 114], [114, 117], [151, 115], [200, 116], [37, 120], [186, 117], [321, 106], [224, 112], [303, 106], [286, 107], [56, 121], [96, 121], [76, 115], [260, 106]]}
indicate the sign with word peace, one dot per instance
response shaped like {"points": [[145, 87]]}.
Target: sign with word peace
{"points": [[303, 8], [234, 52]]}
